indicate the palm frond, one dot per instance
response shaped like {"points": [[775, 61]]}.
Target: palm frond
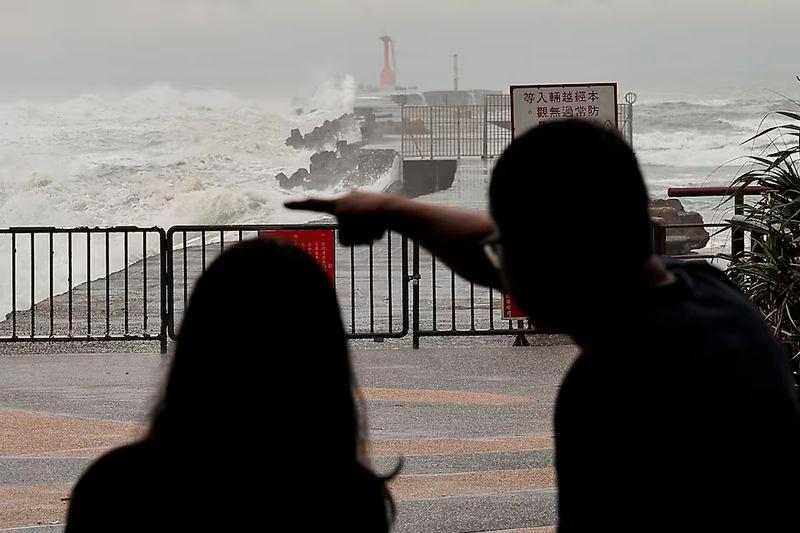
{"points": [[769, 271]]}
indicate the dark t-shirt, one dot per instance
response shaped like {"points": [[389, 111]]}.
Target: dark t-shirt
{"points": [[681, 417]]}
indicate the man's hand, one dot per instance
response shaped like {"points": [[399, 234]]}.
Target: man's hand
{"points": [[453, 235], [362, 216]]}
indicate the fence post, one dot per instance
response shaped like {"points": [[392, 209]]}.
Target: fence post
{"points": [[430, 126], [415, 305], [521, 339], [402, 130], [630, 99], [485, 127], [737, 234], [458, 131], [166, 276], [630, 123], [659, 236]]}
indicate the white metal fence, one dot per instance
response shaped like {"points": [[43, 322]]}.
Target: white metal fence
{"points": [[430, 132]]}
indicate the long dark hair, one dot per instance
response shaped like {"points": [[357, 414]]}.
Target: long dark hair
{"points": [[262, 351]]}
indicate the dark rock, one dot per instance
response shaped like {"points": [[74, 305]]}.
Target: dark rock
{"points": [[295, 140], [321, 137], [349, 164], [299, 178], [680, 241], [353, 166], [283, 180], [343, 149], [323, 162]]}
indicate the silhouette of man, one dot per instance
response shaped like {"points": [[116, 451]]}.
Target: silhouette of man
{"points": [[680, 412]]}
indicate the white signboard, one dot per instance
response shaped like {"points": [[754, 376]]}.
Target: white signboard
{"points": [[532, 105]]}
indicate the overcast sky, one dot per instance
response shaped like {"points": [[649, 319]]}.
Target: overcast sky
{"points": [[281, 48]]}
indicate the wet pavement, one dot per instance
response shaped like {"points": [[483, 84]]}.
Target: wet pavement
{"points": [[473, 427]]}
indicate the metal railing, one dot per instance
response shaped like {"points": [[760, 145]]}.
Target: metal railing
{"points": [[372, 291], [84, 284], [133, 283], [625, 118], [443, 131], [446, 305], [429, 132], [738, 240], [496, 124]]}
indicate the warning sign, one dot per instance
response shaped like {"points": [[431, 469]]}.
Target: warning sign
{"points": [[511, 311], [532, 105], [318, 243]]}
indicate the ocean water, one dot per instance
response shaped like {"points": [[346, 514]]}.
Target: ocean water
{"points": [[164, 156], [158, 156], [698, 140]]}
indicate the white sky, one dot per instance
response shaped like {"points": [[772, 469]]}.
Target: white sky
{"points": [[281, 48]]}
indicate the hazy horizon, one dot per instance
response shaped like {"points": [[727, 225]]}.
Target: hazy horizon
{"points": [[51, 49]]}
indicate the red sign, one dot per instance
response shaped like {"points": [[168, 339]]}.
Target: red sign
{"points": [[318, 243], [511, 311]]}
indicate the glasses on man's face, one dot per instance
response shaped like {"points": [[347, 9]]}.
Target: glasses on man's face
{"points": [[493, 249]]}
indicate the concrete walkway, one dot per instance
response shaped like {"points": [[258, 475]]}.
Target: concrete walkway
{"points": [[473, 426]]}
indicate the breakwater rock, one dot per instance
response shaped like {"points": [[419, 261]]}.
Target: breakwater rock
{"points": [[680, 241], [349, 164], [324, 136]]}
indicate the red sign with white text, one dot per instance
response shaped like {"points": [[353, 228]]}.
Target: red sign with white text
{"points": [[511, 311], [318, 243]]}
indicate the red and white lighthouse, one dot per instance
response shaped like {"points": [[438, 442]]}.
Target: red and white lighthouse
{"points": [[388, 80]]}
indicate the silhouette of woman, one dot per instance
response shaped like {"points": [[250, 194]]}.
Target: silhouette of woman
{"points": [[258, 425]]}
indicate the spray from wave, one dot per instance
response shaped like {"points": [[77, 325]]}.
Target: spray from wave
{"points": [[158, 156]]}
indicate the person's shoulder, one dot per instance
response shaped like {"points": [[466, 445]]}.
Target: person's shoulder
{"points": [[714, 300], [741, 336], [120, 466], [700, 270], [107, 486], [710, 284], [124, 457]]}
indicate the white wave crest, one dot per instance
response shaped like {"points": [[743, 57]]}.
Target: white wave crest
{"points": [[687, 148], [157, 156]]}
